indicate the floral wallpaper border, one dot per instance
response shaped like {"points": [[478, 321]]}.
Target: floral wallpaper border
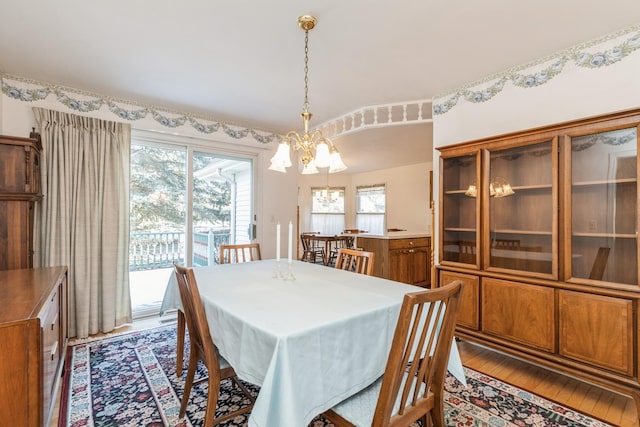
{"points": [[544, 70], [86, 102]]}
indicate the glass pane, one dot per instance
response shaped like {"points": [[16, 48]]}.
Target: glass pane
{"points": [[157, 186], [521, 208], [603, 199], [222, 204], [370, 199], [157, 192], [460, 193]]}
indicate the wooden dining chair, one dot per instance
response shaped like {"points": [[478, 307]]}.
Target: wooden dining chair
{"points": [[202, 349], [245, 252], [310, 251], [355, 260], [412, 385]]}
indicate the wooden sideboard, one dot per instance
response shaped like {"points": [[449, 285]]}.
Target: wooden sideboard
{"points": [[33, 335], [401, 257]]}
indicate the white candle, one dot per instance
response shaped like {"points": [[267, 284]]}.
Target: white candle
{"points": [[278, 242], [289, 251]]}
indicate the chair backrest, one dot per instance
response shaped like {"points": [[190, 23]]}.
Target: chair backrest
{"points": [[355, 260], [419, 354], [507, 244], [245, 252], [599, 264], [467, 252], [307, 240], [196, 319]]}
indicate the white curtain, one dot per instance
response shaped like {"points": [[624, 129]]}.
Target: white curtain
{"points": [[83, 220], [327, 223]]}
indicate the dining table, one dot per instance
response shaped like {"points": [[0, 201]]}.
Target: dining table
{"points": [[331, 241], [309, 336]]}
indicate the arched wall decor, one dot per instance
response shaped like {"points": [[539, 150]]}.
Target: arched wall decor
{"points": [[28, 90], [601, 52]]}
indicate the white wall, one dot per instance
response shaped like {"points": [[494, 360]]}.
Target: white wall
{"points": [[577, 92], [407, 195], [276, 193]]}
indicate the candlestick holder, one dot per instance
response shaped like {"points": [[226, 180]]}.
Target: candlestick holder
{"points": [[289, 276], [277, 272]]}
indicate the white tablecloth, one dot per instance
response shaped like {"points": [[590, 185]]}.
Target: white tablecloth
{"points": [[309, 343]]}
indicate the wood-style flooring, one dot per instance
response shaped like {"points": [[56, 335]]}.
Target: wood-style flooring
{"points": [[605, 405]]}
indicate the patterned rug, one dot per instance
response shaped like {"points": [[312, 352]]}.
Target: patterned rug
{"points": [[130, 380]]}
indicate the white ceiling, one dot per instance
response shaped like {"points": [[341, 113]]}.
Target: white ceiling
{"points": [[242, 61]]}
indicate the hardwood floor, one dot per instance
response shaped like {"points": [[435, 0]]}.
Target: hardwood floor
{"points": [[608, 406], [605, 405]]}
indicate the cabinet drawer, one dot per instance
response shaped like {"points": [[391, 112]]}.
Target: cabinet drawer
{"points": [[519, 312], [408, 243], [51, 351], [597, 330]]}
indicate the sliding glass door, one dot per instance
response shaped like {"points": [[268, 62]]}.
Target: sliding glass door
{"points": [[184, 202]]}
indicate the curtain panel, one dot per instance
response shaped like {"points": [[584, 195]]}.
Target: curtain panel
{"points": [[83, 219]]}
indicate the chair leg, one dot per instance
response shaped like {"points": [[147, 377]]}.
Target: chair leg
{"points": [[180, 344], [191, 373], [437, 415], [212, 402]]}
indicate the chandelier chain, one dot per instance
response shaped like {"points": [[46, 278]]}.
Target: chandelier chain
{"points": [[305, 106]]}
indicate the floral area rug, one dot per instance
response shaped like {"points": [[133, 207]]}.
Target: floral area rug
{"points": [[130, 380]]}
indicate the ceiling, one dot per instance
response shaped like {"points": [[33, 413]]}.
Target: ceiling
{"points": [[242, 61]]}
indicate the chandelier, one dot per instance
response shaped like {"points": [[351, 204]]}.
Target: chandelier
{"points": [[327, 195], [498, 187], [316, 150]]}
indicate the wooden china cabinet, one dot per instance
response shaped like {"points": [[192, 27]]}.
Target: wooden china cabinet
{"points": [[19, 191], [541, 226]]}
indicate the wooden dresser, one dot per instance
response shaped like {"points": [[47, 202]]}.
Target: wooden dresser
{"points": [[33, 336], [403, 257]]}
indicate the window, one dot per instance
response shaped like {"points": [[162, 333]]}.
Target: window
{"points": [[370, 208], [327, 210]]}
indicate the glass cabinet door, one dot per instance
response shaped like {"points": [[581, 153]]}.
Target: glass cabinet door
{"points": [[604, 198], [459, 209], [522, 220]]}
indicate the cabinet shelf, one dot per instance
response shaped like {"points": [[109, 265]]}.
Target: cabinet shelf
{"points": [[527, 232], [469, 230], [605, 182], [607, 235], [459, 192], [531, 187]]}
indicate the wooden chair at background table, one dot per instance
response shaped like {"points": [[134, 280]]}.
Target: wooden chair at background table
{"points": [[355, 260], [202, 348], [310, 251], [245, 252], [412, 385]]}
